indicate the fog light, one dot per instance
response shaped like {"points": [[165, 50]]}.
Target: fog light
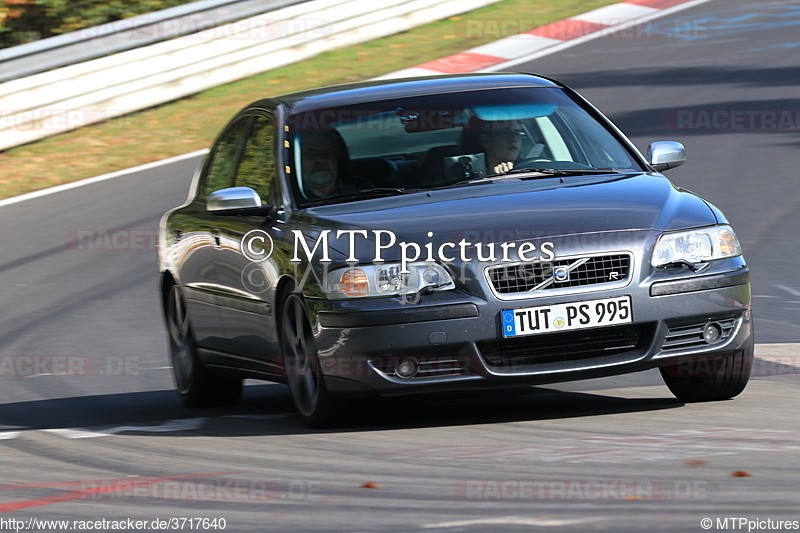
{"points": [[712, 332], [407, 368]]}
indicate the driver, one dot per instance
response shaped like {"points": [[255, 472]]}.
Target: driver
{"points": [[321, 160], [501, 141], [325, 166]]}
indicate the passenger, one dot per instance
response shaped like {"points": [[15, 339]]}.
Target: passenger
{"points": [[501, 141]]}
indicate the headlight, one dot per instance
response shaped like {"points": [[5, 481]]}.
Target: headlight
{"points": [[696, 246], [366, 281]]}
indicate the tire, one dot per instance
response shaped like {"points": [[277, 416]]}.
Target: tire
{"points": [[196, 385], [708, 380], [318, 407]]}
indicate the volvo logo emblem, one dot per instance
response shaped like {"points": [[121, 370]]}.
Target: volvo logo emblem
{"points": [[561, 274]]}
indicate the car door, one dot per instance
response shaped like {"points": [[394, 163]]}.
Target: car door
{"points": [[197, 240], [247, 287]]}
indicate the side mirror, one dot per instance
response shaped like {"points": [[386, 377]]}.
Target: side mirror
{"points": [[664, 155], [236, 201]]}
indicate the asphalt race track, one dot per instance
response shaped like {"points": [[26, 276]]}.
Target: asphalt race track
{"points": [[111, 441]]}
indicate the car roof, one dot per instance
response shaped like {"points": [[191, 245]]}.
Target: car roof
{"points": [[376, 90]]}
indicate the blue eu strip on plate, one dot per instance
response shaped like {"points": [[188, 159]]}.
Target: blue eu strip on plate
{"points": [[509, 330]]}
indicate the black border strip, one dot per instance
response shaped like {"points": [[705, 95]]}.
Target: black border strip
{"points": [[700, 283], [399, 316]]}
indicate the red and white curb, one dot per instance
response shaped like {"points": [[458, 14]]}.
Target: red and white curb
{"points": [[548, 39]]}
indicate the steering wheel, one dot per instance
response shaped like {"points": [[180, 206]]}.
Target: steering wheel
{"points": [[526, 162], [555, 164]]}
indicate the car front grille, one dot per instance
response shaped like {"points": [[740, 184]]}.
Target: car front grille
{"points": [[566, 346], [688, 336], [559, 274]]}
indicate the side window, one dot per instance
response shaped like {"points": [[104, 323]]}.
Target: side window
{"points": [[257, 166], [224, 156], [556, 146]]}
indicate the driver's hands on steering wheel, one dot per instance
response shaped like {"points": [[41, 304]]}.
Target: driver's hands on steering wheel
{"points": [[505, 166]]}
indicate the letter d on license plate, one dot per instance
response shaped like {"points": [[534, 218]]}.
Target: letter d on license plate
{"points": [[565, 317]]}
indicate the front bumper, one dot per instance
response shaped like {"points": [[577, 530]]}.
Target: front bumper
{"points": [[456, 338]]}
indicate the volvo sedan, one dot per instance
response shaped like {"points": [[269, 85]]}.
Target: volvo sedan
{"points": [[454, 232]]}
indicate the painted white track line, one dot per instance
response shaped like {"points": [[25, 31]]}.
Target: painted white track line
{"points": [[97, 179], [183, 424], [513, 521]]}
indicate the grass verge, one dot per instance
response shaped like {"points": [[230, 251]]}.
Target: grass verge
{"points": [[191, 123]]}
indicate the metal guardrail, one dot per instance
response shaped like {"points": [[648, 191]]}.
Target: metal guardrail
{"points": [[59, 100], [135, 32]]}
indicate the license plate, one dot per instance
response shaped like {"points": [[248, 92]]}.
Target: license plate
{"points": [[566, 317]]}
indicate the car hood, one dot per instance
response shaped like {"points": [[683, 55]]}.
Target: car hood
{"points": [[517, 210]]}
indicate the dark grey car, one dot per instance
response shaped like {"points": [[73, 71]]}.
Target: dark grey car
{"points": [[428, 234]]}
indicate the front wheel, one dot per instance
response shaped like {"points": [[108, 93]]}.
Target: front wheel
{"points": [[311, 398], [196, 386], [705, 380]]}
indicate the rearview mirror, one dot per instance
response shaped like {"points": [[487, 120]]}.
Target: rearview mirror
{"points": [[236, 201], [664, 155]]}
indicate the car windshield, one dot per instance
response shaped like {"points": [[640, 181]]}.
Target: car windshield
{"points": [[408, 144]]}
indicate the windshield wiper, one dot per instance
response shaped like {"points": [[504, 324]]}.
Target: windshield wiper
{"points": [[540, 173], [559, 171], [366, 194]]}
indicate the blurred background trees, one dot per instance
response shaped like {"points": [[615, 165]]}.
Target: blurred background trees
{"points": [[23, 21]]}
